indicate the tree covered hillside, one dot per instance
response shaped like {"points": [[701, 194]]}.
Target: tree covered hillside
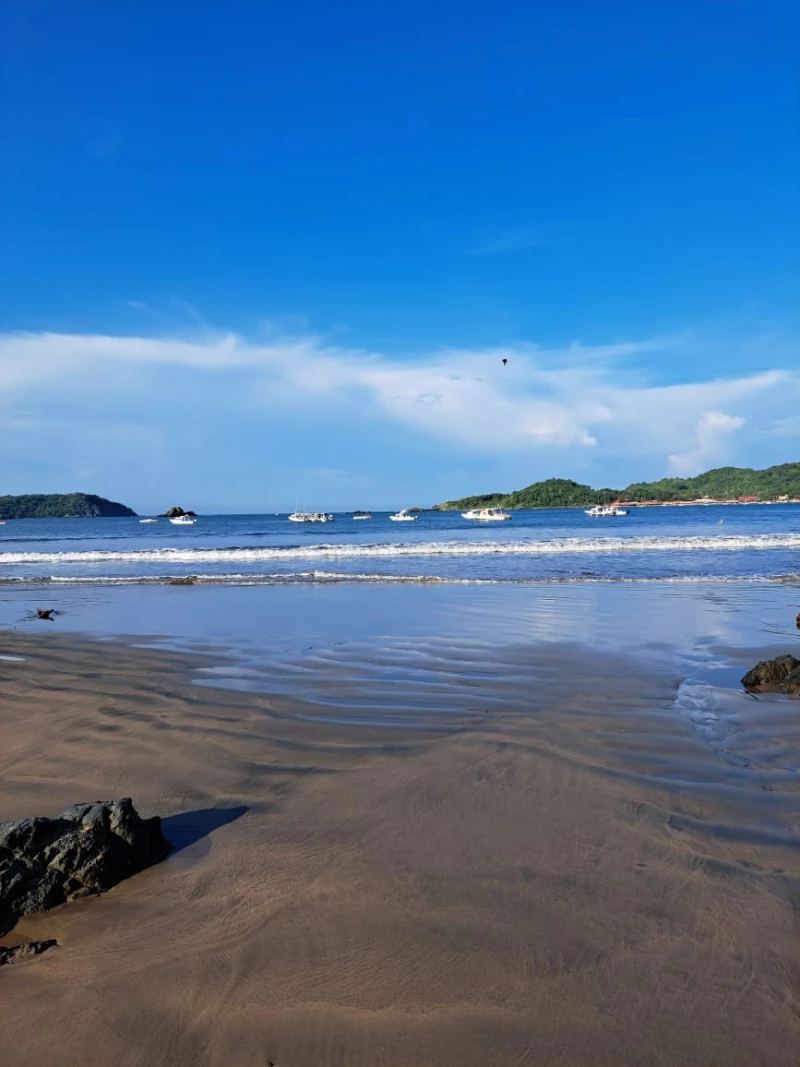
{"points": [[724, 483], [61, 506]]}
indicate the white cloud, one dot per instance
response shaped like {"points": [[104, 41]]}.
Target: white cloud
{"points": [[575, 398], [711, 436]]}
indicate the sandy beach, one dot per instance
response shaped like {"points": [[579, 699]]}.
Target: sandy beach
{"points": [[523, 884]]}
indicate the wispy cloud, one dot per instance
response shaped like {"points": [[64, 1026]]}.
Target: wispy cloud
{"points": [[578, 399], [519, 239]]}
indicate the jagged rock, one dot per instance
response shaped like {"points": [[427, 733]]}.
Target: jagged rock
{"points": [[24, 951], [779, 675], [45, 613], [797, 620], [88, 849]]}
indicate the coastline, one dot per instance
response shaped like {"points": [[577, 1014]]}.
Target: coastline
{"points": [[563, 855]]}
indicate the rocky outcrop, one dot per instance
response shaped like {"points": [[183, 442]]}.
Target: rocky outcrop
{"points": [[779, 675], [88, 849], [25, 951], [174, 513]]}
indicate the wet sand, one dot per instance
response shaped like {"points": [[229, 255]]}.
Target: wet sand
{"points": [[576, 868]]}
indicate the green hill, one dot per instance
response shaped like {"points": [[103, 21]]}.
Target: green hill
{"points": [[61, 506], [724, 483], [554, 493]]}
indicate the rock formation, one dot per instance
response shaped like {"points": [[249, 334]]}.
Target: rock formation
{"points": [[25, 951], [779, 675], [89, 848], [174, 513]]}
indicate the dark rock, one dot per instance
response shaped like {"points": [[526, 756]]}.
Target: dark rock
{"points": [[797, 620], [189, 580], [88, 849], [779, 675], [173, 513], [45, 613], [25, 951]]}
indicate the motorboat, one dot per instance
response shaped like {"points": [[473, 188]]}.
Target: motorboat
{"points": [[310, 516], [183, 520], [606, 511], [403, 516], [362, 515], [486, 515], [148, 520]]}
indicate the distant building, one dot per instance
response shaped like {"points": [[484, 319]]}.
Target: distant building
{"points": [[783, 499]]}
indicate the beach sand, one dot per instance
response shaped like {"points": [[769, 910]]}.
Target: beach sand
{"points": [[529, 884]]}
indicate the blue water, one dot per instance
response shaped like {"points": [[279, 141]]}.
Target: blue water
{"points": [[727, 542]]}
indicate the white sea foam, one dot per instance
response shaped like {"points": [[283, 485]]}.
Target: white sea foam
{"points": [[555, 546], [297, 577]]}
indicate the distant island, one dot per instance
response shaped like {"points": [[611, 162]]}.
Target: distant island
{"points": [[729, 485], [61, 506]]}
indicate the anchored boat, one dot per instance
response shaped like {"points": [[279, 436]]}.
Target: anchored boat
{"points": [[486, 514], [310, 516], [606, 511]]}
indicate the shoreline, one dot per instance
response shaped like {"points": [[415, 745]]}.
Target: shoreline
{"points": [[569, 869]]}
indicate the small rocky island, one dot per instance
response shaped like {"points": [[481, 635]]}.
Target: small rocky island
{"points": [[176, 512], [62, 506], [87, 849]]}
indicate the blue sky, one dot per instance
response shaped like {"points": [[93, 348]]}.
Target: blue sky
{"points": [[254, 253]]}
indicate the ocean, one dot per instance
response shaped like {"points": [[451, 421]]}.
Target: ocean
{"points": [[294, 608], [733, 542]]}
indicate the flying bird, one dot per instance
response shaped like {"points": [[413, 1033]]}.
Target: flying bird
{"points": [[505, 361]]}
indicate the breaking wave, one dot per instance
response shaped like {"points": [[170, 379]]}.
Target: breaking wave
{"points": [[330, 577], [555, 546]]}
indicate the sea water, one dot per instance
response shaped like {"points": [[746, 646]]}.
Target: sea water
{"points": [[734, 542]]}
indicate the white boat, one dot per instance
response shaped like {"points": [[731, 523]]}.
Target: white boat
{"points": [[363, 515], [403, 516], [148, 520], [606, 511], [183, 520], [486, 514], [310, 516]]}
